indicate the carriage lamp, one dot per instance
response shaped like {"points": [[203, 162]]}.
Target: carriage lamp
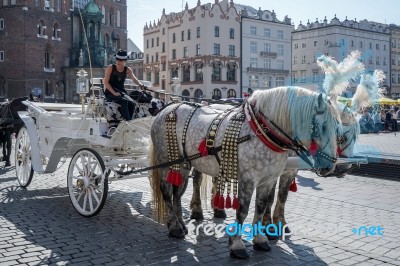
{"points": [[82, 86], [175, 88]]}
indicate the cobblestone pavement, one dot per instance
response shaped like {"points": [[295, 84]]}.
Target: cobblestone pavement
{"points": [[38, 225]]}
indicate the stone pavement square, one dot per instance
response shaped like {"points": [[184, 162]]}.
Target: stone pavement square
{"points": [[39, 226]]}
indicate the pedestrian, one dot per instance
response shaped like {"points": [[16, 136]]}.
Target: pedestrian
{"points": [[114, 80]]}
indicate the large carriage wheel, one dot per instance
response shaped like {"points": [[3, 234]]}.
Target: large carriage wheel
{"points": [[23, 163], [87, 187]]}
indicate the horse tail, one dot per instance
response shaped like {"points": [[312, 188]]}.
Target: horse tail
{"points": [[159, 206]]}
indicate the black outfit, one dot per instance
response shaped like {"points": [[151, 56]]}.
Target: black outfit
{"points": [[117, 80], [390, 120]]}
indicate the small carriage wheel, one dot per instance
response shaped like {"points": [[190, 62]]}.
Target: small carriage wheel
{"points": [[23, 162], [87, 182]]}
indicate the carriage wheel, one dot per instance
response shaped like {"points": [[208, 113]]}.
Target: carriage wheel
{"points": [[87, 182], [23, 163]]}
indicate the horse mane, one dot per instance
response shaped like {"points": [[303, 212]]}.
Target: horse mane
{"points": [[291, 108], [368, 90]]}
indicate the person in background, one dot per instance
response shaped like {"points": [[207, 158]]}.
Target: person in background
{"points": [[366, 122], [114, 80]]}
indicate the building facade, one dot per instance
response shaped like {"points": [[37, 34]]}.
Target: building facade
{"points": [[338, 39], [200, 47], [395, 61], [266, 49], [43, 43]]}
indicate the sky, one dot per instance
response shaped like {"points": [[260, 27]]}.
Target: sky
{"points": [[141, 12]]}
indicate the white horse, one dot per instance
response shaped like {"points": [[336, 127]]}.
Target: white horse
{"points": [[179, 129]]}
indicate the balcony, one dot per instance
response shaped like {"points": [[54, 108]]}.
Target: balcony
{"points": [[268, 70], [268, 54]]}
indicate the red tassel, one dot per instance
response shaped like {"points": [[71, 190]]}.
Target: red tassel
{"points": [[215, 200], [235, 204], [174, 178], [339, 151], [203, 148], [178, 179], [313, 148], [221, 202], [228, 203], [293, 186]]}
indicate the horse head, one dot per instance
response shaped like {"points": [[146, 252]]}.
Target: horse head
{"points": [[16, 106]]}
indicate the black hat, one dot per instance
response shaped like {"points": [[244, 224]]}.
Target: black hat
{"points": [[122, 55]]}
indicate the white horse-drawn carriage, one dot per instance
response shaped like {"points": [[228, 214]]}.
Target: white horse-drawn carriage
{"points": [[97, 157]]}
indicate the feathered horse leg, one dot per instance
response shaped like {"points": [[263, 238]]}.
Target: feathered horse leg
{"points": [[195, 203]]}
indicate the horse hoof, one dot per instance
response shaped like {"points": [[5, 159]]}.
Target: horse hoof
{"points": [[262, 246], [287, 230], [239, 254], [198, 216], [177, 233], [219, 214], [8, 164]]}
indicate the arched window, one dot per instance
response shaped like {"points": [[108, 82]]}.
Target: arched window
{"points": [[56, 32], [186, 95], [41, 29], [198, 94], [198, 68], [216, 72], [186, 73], [216, 95], [231, 72], [231, 93]]}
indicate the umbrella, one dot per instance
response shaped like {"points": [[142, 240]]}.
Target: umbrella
{"points": [[344, 100], [385, 100]]}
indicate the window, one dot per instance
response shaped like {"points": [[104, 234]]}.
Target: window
{"points": [[157, 57], [46, 4], [377, 61], [267, 47], [231, 50], [303, 59], [186, 95], [394, 43], [56, 32], [294, 78], [158, 41], [279, 64], [393, 60], [147, 58], [103, 12], [280, 34], [163, 47], [315, 76], [231, 93], [173, 53], [48, 61], [280, 49], [174, 73], [370, 45], [198, 94], [1, 56], [302, 76], [147, 43], [377, 46], [253, 62], [198, 68], [216, 31], [303, 45], [37, 3], [152, 58], [361, 44], [295, 59], [232, 33], [231, 72], [253, 30], [315, 58], [216, 49], [398, 78], [198, 32], [384, 47], [163, 31], [352, 43], [393, 78], [198, 49], [315, 43], [182, 36], [267, 63], [267, 33], [216, 95], [384, 61], [253, 47], [188, 35], [152, 42], [267, 81], [41, 29], [1, 24], [185, 52], [280, 81], [118, 19], [253, 80], [216, 72], [186, 73], [296, 46]]}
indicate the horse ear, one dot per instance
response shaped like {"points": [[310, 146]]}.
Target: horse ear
{"points": [[321, 106]]}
